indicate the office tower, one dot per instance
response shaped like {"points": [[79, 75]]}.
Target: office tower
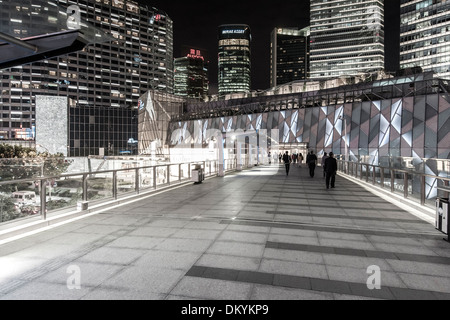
{"points": [[289, 55], [234, 59], [425, 36], [191, 75], [138, 58], [347, 37]]}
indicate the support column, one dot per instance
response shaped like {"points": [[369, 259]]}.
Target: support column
{"points": [[221, 157], [250, 155], [239, 156]]}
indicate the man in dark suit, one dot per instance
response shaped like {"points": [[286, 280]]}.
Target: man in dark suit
{"points": [[331, 170], [287, 162], [311, 160]]}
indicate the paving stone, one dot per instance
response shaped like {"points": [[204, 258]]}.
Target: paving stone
{"points": [[330, 286], [219, 261], [362, 290], [292, 282], [212, 289], [255, 277], [267, 293]]}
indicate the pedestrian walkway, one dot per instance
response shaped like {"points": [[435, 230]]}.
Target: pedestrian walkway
{"points": [[251, 235]]}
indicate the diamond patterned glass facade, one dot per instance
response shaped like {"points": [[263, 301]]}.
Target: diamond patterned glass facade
{"points": [[413, 125]]}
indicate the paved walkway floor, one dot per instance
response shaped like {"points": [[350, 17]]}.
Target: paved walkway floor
{"points": [[254, 235]]}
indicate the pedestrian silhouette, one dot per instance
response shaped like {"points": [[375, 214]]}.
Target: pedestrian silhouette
{"points": [[331, 169], [311, 160], [287, 162]]}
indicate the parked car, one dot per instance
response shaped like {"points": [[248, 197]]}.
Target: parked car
{"points": [[24, 197], [26, 202]]}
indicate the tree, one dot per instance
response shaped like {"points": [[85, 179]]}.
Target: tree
{"points": [[8, 210], [19, 163]]}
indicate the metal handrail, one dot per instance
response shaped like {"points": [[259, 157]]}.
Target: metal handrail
{"points": [[212, 165], [351, 168], [90, 173], [398, 170]]}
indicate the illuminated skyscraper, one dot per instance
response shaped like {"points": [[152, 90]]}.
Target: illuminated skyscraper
{"points": [[347, 37], [289, 55], [191, 75], [425, 36], [234, 59]]}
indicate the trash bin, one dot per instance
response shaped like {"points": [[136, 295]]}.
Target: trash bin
{"points": [[197, 175], [442, 207], [82, 206]]}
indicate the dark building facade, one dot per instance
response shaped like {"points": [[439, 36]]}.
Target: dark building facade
{"points": [[191, 75], [425, 36], [234, 59], [104, 131], [289, 55]]}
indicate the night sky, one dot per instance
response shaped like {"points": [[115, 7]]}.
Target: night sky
{"points": [[196, 23]]}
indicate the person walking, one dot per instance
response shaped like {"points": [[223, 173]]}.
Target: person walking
{"points": [[311, 160], [287, 162], [300, 160], [331, 169], [324, 158]]}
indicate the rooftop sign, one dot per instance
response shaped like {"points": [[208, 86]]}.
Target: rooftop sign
{"points": [[195, 54], [236, 31]]}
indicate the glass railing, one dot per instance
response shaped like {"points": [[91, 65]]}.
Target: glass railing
{"points": [[420, 187], [28, 168], [40, 197]]}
